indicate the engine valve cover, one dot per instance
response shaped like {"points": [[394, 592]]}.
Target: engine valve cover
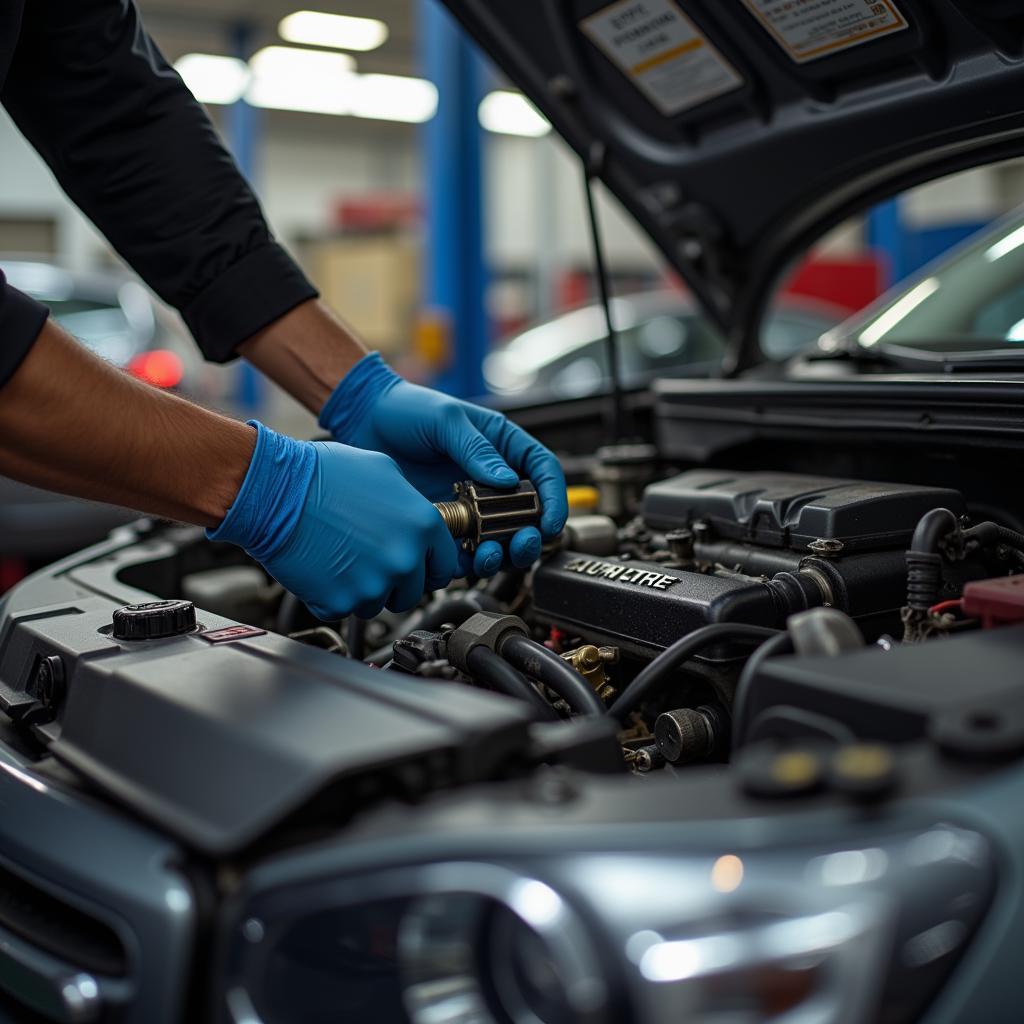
{"points": [[638, 606], [790, 510]]}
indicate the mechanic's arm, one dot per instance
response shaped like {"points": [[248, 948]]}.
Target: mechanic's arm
{"points": [[339, 526], [134, 150], [435, 439], [130, 145]]}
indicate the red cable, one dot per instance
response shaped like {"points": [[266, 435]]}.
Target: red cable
{"points": [[947, 606]]}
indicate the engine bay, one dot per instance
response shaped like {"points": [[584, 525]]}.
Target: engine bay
{"points": [[682, 621], [746, 656], [676, 608], [669, 596]]}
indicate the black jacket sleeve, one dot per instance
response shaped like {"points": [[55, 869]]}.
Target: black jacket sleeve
{"points": [[21, 320], [135, 151]]}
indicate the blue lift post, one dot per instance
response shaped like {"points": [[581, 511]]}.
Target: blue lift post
{"points": [[243, 137], [908, 248], [454, 270], [885, 234]]}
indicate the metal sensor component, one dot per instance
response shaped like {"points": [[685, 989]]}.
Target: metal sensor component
{"points": [[487, 513], [590, 662]]}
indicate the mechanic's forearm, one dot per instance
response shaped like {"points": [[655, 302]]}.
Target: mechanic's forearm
{"points": [[307, 352], [73, 423]]}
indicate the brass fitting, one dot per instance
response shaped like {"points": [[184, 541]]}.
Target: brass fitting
{"points": [[590, 662], [457, 516], [488, 513]]}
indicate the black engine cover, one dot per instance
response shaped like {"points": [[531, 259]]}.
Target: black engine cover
{"points": [[638, 606], [966, 693], [790, 510], [223, 734]]}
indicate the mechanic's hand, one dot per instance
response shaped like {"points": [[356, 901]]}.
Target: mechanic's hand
{"points": [[340, 527], [437, 440]]}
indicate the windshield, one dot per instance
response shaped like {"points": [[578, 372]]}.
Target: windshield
{"points": [[969, 301]]}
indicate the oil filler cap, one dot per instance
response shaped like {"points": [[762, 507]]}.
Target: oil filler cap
{"points": [[154, 620]]}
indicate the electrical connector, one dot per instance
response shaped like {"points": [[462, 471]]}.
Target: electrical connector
{"points": [[996, 602]]}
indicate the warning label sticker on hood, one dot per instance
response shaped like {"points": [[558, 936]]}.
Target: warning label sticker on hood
{"points": [[663, 53], [809, 29]]}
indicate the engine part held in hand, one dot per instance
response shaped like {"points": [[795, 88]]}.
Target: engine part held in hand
{"points": [[480, 513]]}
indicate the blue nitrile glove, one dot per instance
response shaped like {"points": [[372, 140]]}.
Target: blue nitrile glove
{"points": [[340, 527], [437, 440]]}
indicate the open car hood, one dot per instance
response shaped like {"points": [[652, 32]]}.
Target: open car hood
{"points": [[738, 131]]}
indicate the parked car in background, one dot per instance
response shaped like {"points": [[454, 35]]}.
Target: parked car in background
{"points": [[963, 310], [663, 335], [112, 314]]}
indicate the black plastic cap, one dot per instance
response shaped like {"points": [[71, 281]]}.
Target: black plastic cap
{"points": [[154, 620], [683, 735]]}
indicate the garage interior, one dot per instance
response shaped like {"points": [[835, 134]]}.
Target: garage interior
{"points": [[355, 198], [658, 659]]}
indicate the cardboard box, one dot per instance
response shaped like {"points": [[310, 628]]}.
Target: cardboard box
{"points": [[373, 283]]}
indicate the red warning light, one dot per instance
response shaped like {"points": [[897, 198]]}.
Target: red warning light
{"points": [[161, 368]]}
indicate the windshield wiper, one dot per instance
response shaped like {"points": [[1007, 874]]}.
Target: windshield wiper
{"points": [[894, 356], [858, 355]]}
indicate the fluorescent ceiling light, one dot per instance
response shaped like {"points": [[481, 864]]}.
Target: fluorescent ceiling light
{"points": [[1006, 244], [285, 78], [313, 66], [393, 98], [898, 311], [314, 28], [212, 78], [511, 113], [310, 81]]}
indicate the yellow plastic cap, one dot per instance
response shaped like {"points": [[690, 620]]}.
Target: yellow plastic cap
{"points": [[582, 499]]}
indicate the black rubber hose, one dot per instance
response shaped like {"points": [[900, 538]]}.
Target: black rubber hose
{"points": [[1011, 538], [547, 667], [931, 529], [659, 672], [286, 613], [355, 637], [504, 587], [498, 674], [454, 610], [781, 643], [990, 534], [924, 563]]}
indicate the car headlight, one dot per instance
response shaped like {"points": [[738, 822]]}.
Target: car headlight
{"points": [[511, 947], [805, 935]]}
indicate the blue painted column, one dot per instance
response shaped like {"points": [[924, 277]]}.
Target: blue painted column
{"points": [[243, 120], [885, 234], [454, 271], [243, 126]]}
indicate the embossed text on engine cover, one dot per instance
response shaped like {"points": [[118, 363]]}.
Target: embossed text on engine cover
{"points": [[622, 573]]}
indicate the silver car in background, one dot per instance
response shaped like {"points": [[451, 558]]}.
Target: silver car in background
{"points": [[663, 335]]}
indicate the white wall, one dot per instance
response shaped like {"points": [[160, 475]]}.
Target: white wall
{"points": [[306, 168], [973, 195], [535, 198]]}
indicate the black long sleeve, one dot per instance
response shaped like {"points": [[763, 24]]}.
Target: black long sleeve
{"points": [[21, 320], [134, 150]]}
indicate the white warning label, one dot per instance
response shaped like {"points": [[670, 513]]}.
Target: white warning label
{"points": [[665, 55], [809, 29]]}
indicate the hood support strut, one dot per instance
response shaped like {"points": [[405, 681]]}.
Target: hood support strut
{"points": [[592, 165]]}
